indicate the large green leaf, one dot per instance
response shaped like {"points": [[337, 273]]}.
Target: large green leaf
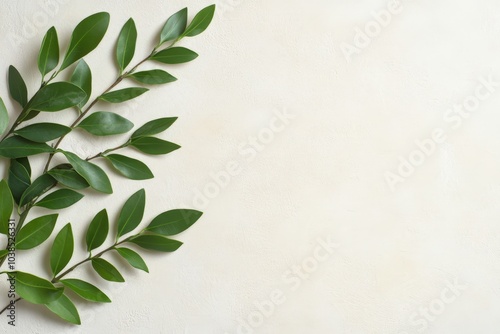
{"points": [[123, 95], [4, 117], [200, 22], [82, 77], [134, 259], [43, 183], [64, 308], [174, 27], [19, 179], [35, 289], [156, 243], [175, 55], [154, 127], [103, 123], [93, 174], [174, 221], [97, 231], [125, 47], [62, 250], [6, 206], [48, 58], [154, 146], [86, 290], [132, 213], [106, 270], [57, 96], [153, 77], [43, 132], [17, 147], [17, 87], [131, 168], [35, 232], [60, 199], [67, 176], [86, 37]]}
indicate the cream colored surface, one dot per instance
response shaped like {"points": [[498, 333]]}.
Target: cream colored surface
{"points": [[423, 256]]}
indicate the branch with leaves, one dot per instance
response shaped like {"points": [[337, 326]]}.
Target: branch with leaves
{"points": [[58, 187]]}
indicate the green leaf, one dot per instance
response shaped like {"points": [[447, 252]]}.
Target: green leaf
{"points": [[17, 147], [154, 146], [156, 243], [68, 177], [153, 77], [34, 289], [103, 123], [97, 231], [35, 232], [134, 259], [132, 213], [37, 188], [123, 95], [131, 168], [82, 77], [3, 252], [154, 127], [62, 250], [43, 132], [174, 27], [60, 199], [17, 87], [4, 117], [93, 174], [106, 270], [86, 290], [125, 47], [6, 207], [57, 96], [19, 179], [48, 58], [26, 164], [86, 37], [64, 308], [175, 55], [173, 222], [200, 22]]}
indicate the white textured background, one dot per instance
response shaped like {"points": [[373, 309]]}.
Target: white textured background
{"points": [[322, 176]]}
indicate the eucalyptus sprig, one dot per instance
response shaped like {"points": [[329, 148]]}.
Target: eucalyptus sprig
{"points": [[59, 187]]}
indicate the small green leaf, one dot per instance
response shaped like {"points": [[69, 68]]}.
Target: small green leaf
{"points": [[174, 221], [4, 117], [48, 58], [62, 250], [153, 77], [174, 27], [156, 243], [43, 183], [26, 164], [17, 147], [106, 270], [43, 132], [154, 127], [175, 55], [97, 231], [123, 95], [65, 309], [35, 232], [125, 47], [34, 289], [131, 168], [154, 146], [93, 174], [86, 290], [6, 207], [19, 179], [17, 87], [57, 96], [132, 213], [68, 177], [134, 259], [103, 123], [86, 37], [60, 199], [82, 77], [200, 22]]}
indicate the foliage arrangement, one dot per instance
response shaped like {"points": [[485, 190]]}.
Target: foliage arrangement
{"points": [[57, 187]]}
